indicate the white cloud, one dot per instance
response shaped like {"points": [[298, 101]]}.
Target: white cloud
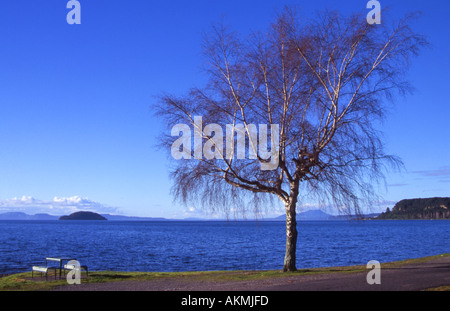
{"points": [[440, 172], [57, 206], [191, 211], [194, 212], [24, 199], [74, 199]]}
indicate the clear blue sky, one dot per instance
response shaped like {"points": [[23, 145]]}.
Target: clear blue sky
{"points": [[75, 119]]}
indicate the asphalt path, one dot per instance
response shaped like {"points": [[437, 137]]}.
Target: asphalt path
{"points": [[409, 277], [413, 277]]}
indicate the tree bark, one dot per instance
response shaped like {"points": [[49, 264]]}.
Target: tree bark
{"points": [[291, 233]]}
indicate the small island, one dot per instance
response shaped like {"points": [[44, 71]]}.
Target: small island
{"points": [[430, 208], [83, 216]]}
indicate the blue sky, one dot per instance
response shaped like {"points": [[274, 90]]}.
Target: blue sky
{"points": [[76, 129]]}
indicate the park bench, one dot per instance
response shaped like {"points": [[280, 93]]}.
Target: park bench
{"points": [[42, 270], [59, 261], [71, 267], [45, 269]]}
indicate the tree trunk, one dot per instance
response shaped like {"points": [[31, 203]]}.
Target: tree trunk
{"points": [[291, 233]]}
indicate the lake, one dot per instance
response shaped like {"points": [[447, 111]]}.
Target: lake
{"points": [[216, 245]]}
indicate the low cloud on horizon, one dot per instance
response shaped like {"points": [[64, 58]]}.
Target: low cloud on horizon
{"points": [[58, 206], [441, 172]]}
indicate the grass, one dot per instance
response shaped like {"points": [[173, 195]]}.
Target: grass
{"points": [[24, 282], [439, 289]]}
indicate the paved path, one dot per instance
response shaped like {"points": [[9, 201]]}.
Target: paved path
{"points": [[412, 277]]}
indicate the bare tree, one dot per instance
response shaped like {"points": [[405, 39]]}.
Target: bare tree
{"points": [[324, 83]]}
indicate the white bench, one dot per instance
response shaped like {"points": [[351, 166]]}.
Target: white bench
{"points": [[59, 262], [72, 267], [42, 270], [45, 269]]}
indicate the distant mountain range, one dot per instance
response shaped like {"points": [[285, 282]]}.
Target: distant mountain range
{"points": [[430, 208], [321, 215], [132, 218], [23, 216], [307, 215], [43, 216]]}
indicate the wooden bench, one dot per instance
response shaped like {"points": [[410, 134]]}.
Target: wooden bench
{"points": [[42, 270]]}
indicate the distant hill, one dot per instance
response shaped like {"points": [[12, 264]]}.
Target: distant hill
{"points": [[321, 215], [131, 218], [430, 208], [42, 216], [83, 216], [307, 215], [23, 216], [310, 215], [314, 215]]}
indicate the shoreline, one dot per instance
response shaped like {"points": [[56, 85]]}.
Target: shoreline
{"points": [[412, 274]]}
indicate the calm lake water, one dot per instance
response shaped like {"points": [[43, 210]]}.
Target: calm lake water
{"points": [[215, 245]]}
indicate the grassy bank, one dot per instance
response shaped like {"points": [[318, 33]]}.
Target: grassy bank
{"points": [[24, 282]]}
